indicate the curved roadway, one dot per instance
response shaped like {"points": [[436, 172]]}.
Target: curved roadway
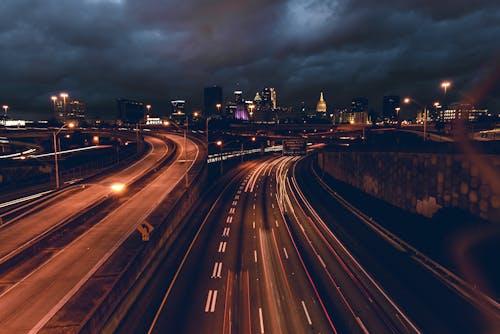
{"points": [[28, 303]]}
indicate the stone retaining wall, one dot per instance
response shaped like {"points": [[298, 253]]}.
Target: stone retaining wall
{"points": [[419, 182]]}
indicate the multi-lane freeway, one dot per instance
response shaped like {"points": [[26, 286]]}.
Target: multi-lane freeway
{"points": [[265, 260], [273, 250], [32, 293], [261, 265]]}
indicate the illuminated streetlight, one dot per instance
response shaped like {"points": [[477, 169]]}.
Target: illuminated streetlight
{"points": [[219, 143], [445, 85], [148, 107], [64, 97], [5, 108], [56, 162], [218, 106], [54, 99], [407, 101]]}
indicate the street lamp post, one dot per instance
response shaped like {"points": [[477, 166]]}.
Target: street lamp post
{"points": [[219, 143], [64, 97], [148, 107], [206, 127], [56, 161], [445, 85], [5, 108], [407, 101]]}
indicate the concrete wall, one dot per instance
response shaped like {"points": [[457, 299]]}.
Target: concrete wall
{"points": [[420, 182]]}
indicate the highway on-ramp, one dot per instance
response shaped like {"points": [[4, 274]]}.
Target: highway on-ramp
{"points": [[28, 303]]}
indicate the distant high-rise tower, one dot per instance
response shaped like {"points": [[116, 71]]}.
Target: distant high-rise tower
{"points": [[178, 108], [238, 96], [273, 97], [359, 110], [321, 106], [69, 109], [359, 104], [212, 97]]}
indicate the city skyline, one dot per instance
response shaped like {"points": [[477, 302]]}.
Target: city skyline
{"points": [[157, 53]]}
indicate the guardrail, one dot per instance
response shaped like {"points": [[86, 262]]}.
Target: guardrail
{"points": [[453, 281]]}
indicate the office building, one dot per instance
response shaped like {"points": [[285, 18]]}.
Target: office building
{"points": [[359, 111], [69, 109], [130, 111], [463, 111], [178, 108]]}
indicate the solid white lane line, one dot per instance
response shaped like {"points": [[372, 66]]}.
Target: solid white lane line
{"points": [[261, 321], [307, 313], [209, 299], [255, 256], [214, 299], [286, 254]]}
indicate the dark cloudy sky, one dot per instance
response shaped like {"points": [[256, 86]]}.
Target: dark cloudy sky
{"points": [[155, 50]]}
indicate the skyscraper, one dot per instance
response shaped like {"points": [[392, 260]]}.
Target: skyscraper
{"points": [[359, 110], [359, 104], [69, 109], [389, 105], [273, 97], [238, 96], [212, 96]]}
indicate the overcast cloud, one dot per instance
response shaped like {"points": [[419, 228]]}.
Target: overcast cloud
{"points": [[155, 50]]}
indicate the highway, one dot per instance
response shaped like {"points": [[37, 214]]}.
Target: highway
{"points": [[435, 298], [17, 234], [260, 265], [30, 298]]}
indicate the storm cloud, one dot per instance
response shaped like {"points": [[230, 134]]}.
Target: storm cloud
{"points": [[155, 50]]}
